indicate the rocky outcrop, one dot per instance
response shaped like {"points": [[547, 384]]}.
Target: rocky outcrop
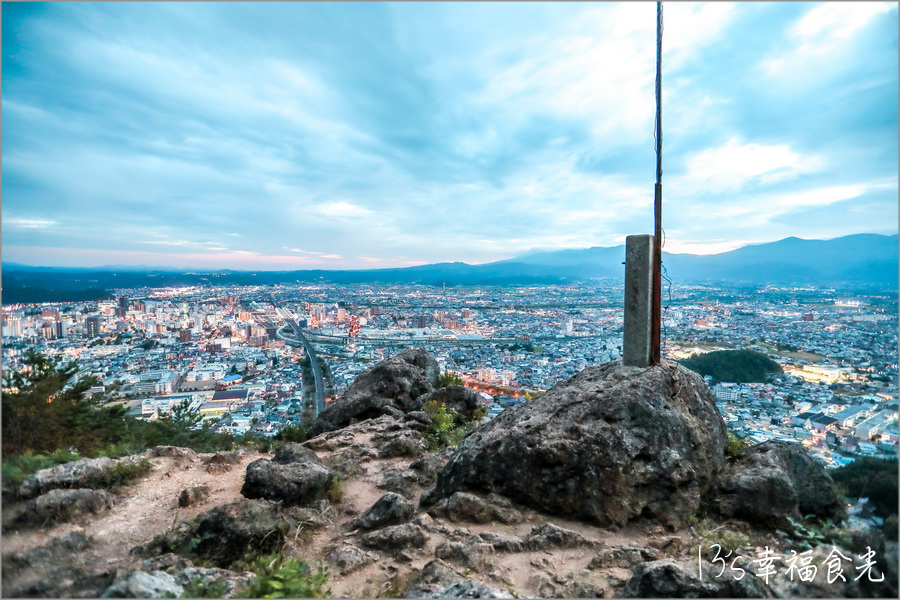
{"points": [[298, 483], [775, 480], [390, 509], [295, 453], [390, 387], [171, 451], [396, 537], [468, 507], [64, 505], [612, 444], [84, 473]]}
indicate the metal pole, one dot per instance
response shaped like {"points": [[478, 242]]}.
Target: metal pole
{"points": [[655, 341]]}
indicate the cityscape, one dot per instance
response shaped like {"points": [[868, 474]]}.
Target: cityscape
{"points": [[230, 353]]}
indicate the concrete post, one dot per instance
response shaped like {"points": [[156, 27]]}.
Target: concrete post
{"points": [[637, 342]]}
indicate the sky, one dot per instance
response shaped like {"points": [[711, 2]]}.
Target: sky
{"points": [[366, 135]]}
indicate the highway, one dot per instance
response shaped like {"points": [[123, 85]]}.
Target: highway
{"points": [[319, 404]]}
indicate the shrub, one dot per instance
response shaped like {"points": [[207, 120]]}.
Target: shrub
{"points": [[735, 445], [448, 378], [280, 577], [443, 431], [120, 475], [16, 469]]}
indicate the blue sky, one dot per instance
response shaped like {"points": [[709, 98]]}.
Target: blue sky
{"points": [[345, 135]]}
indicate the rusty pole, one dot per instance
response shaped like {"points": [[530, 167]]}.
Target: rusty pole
{"points": [[655, 341]]}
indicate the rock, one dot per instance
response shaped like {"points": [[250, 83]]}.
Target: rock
{"points": [[55, 551], [584, 589], [83, 473], [145, 585], [396, 537], [390, 509], [610, 445], [670, 579], [225, 584], [456, 397], [470, 553], [407, 444], [228, 532], [63, 505], [466, 507], [503, 543], [171, 451], [775, 480], [221, 462], [433, 578], [168, 562], [347, 559], [428, 466], [400, 481], [469, 588], [293, 483], [295, 453], [548, 535], [193, 495], [623, 557], [391, 386]]}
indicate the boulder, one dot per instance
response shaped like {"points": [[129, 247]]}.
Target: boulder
{"points": [[612, 444], [396, 537], [549, 536], [145, 585], [193, 495], [431, 579], [221, 462], [390, 387], [400, 481], [63, 505], [775, 480], [623, 557], [471, 553], [467, 507], [428, 466], [408, 444], [229, 532], [390, 509], [668, 578], [300, 483], [295, 453], [83, 473]]}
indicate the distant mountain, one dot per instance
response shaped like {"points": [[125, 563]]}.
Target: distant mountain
{"points": [[856, 260]]}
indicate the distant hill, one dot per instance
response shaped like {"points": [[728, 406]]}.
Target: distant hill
{"points": [[858, 260], [733, 366]]}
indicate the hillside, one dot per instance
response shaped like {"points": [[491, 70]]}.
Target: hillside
{"points": [[610, 494]]}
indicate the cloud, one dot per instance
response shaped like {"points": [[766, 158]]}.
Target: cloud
{"points": [[343, 209], [737, 165], [21, 223]]}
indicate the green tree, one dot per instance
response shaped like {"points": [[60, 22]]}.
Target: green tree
{"points": [[183, 415]]}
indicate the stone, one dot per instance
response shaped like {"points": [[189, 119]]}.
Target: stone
{"points": [[428, 465], [638, 316], [293, 483], [83, 473], [400, 481], [390, 509], [623, 557], [63, 505], [776, 480], [295, 453], [228, 532], [396, 537], [472, 508], [390, 387], [470, 553], [469, 588], [611, 445], [668, 578], [348, 558], [548, 535], [171, 451], [221, 462], [408, 444], [193, 495], [139, 584]]}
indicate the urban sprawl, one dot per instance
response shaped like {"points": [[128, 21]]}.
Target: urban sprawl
{"points": [[228, 352]]}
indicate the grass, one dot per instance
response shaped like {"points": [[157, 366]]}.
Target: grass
{"points": [[16, 469], [278, 576]]}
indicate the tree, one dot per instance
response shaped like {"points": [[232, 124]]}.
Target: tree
{"points": [[184, 415]]}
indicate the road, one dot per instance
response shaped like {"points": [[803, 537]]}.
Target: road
{"points": [[319, 404]]}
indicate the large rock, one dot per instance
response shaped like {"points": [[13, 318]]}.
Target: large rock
{"points": [[295, 453], [395, 537], [390, 387], [668, 578], [612, 444], [299, 483], [83, 473], [776, 480], [390, 509], [63, 505]]}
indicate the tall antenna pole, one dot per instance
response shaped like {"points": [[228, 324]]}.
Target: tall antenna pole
{"points": [[655, 341]]}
